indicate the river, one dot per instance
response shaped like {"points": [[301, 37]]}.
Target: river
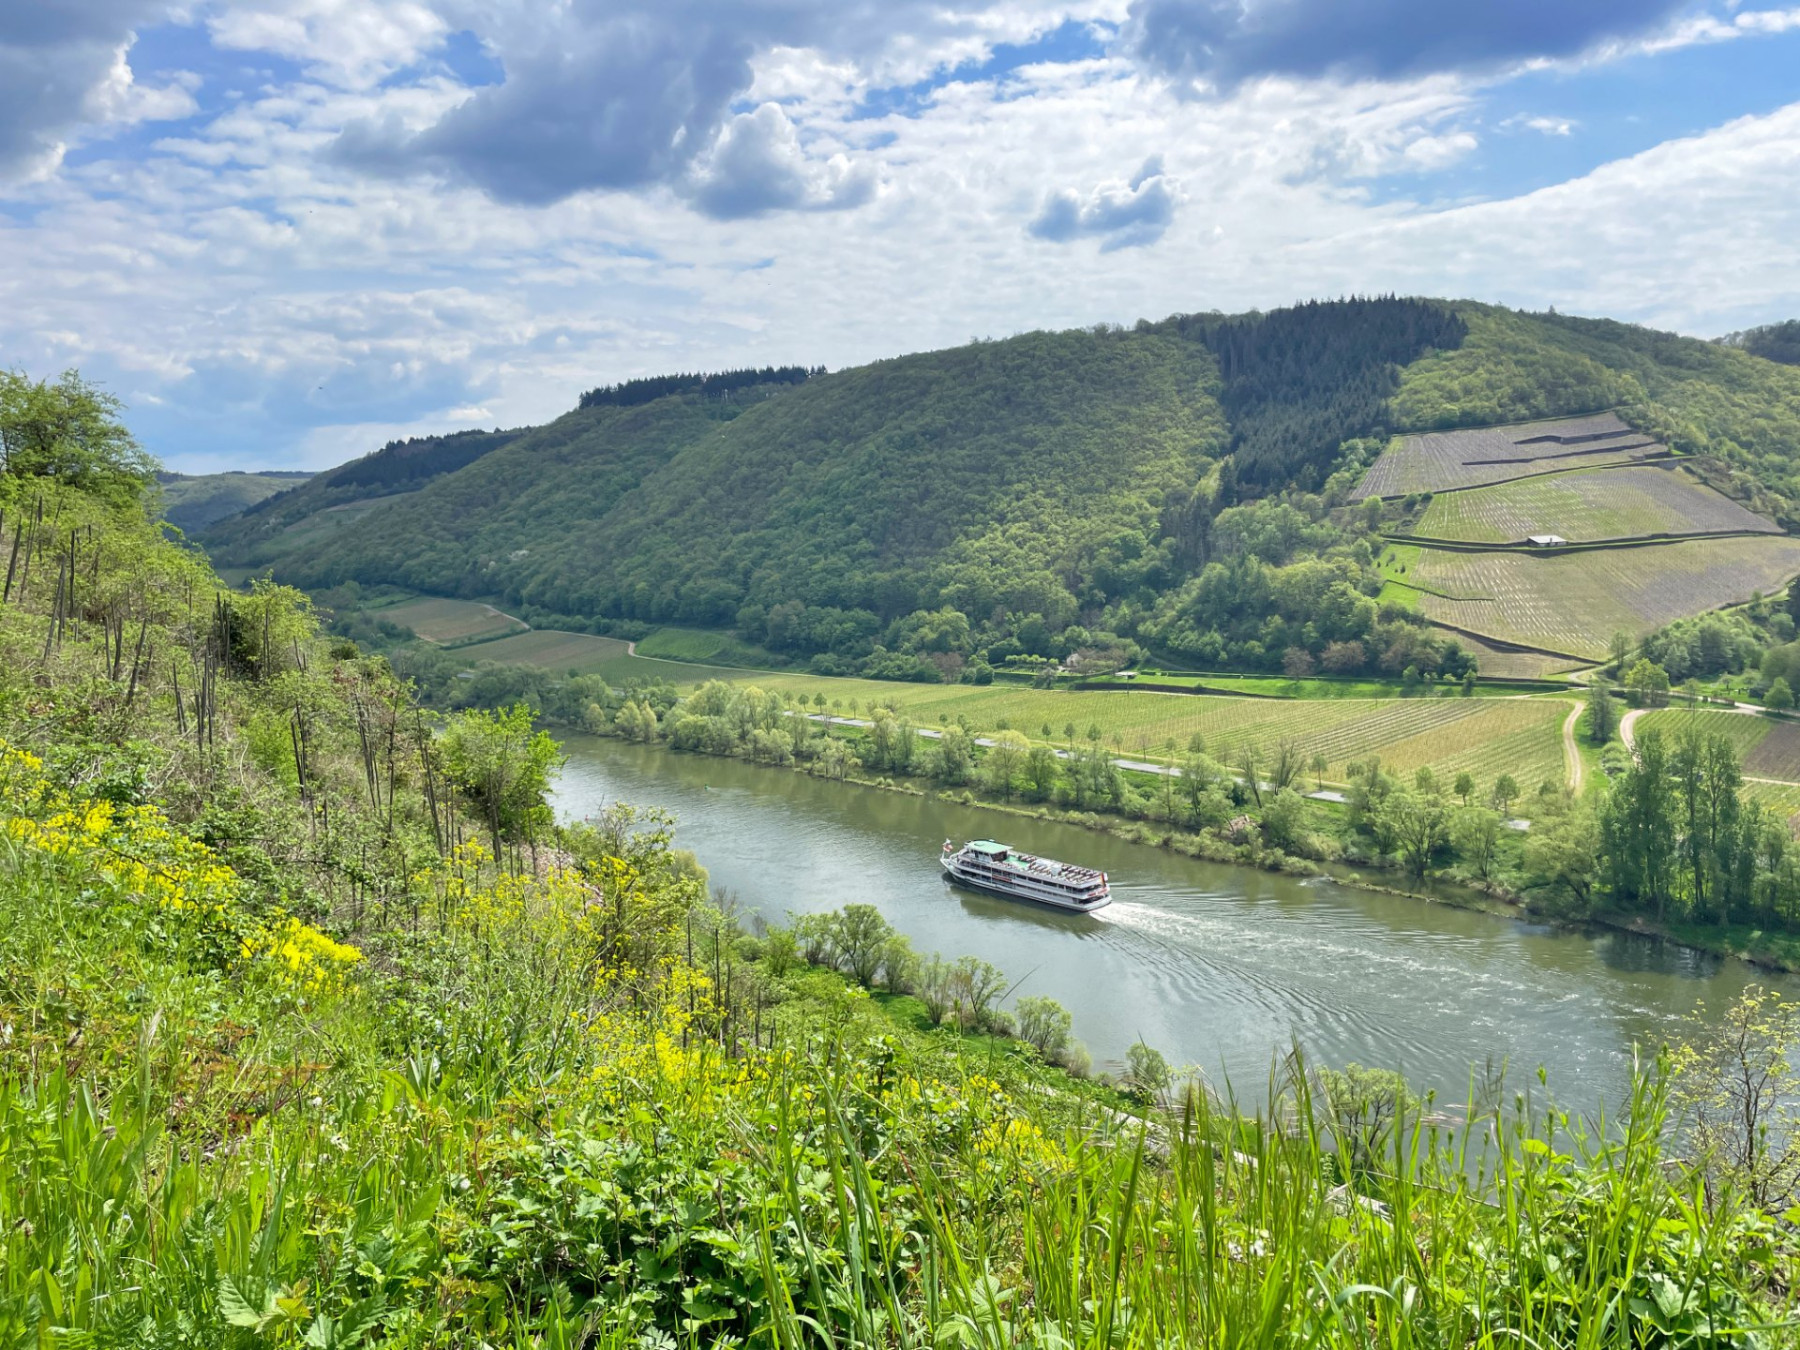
{"points": [[1217, 966]]}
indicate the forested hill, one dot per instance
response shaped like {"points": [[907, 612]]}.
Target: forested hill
{"points": [[1184, 485], [399, 466]]}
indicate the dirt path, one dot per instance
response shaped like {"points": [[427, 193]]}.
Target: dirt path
{"points": [[1571, 751], [1628, 730]]}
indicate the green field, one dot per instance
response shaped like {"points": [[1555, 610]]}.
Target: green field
{"points": [[1487, 736], [586, 654], [450, 622], [1583, 507], [703, 646], [1573, 602], [1769, 747]]}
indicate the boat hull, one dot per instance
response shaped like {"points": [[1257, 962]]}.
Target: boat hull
{"points": [[1005, 893]]}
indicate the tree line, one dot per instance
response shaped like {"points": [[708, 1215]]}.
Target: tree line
{"points": [[633, 393]]}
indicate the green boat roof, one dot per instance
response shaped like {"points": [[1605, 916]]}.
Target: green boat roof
{"points": [[987, 846]]}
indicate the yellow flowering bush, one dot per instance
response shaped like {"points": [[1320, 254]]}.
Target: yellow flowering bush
{"points": [[301, 957], [146, 859], [135, 847]]}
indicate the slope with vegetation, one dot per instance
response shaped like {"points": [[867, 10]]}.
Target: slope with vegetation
{"points": [[191, 502], [318, 1031], [1187, 488], [265, 532]]}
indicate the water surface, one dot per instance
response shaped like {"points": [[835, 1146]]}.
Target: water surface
{"points": [[1218, 966]]}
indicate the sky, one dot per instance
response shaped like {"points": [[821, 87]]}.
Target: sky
{"points": [[287, 231]]}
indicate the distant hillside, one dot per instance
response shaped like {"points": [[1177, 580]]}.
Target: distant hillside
{"points": [[1184, 487], [264, 532], [193, 501], [1773, 342]]}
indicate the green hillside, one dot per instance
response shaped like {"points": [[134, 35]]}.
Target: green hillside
{"points": [[992, 474], [273, 526], [317, 1030], [1186, 488], [191, 502]]}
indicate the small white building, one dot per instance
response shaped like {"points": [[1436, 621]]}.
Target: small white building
{"points": [[1545, 540]]}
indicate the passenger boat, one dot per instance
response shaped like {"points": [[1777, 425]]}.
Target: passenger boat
{"points": [[989, 866]]}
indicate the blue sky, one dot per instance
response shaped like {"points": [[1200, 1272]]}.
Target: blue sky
{"points": [[285, 231]]}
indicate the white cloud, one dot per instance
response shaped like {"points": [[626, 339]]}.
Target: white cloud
{"points": [[1121, 214], [757, 165], [1429, 153], [1547, 126], [268, 304]]}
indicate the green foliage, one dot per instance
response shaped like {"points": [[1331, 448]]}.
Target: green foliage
{"points": [[1602, 711], [1737, 1095], [1300, 382], [1647, 683], [968, 478], [1046, 1026], [503, 766], [562, 1105], [1511, 367], [70, 432], [1147, 1073], [1780, 695], [1367, 1108], [1773, 342]]}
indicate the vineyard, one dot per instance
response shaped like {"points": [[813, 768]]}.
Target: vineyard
{"points": [[1768, 747], [1745, 731], [1436, 461], [1449, 734], [584, 654], [1617, 503], [1574, 602], [1777, 754], [1508, 665], [450, 622]]}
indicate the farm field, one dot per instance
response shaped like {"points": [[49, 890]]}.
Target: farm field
{"points": [[1592, 505], [704, 646], [586, 654], [1574, 602], [1488, 736], [1509, 665], [1782, 798], [1769, 747], [450, 622], [1745, 731], [1437, 461]]}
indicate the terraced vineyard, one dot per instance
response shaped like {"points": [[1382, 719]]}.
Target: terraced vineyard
{"points": [[1573, 602], [1619, 503], [1436, 461], [450, 622]]}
